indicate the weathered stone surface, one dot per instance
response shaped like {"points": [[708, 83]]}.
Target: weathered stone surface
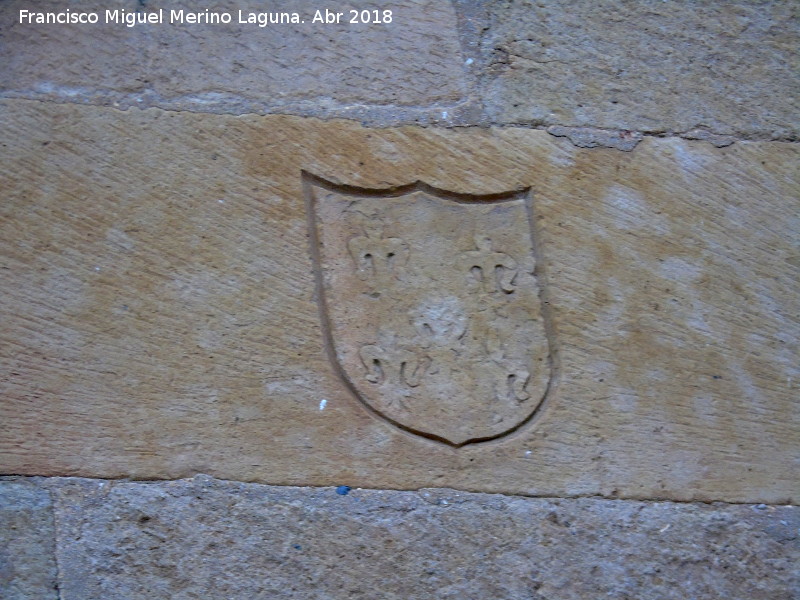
{"points": [[211, 539], [650, 66], [27, 542], [83, 63], [160, 316], [412, 64]]}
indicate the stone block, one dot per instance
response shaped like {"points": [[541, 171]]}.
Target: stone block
{"points": [[211, 539], [27, 542], [309, 68], [414, 60], [650, 66], [172, 304], [100, 63]]}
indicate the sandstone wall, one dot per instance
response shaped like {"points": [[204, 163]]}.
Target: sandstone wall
{"points": [[185, 333]]}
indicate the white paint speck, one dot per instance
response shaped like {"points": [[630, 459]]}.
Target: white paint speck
{"points": [[444, 114], [221, 201], [528, 452], [469, 61], [663, 529], [322, 404], [97, 268]]}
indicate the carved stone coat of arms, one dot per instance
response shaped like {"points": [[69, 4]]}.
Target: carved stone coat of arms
{"points": [[432, 306]]}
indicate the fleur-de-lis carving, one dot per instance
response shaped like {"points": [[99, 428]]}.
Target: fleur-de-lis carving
{"points": [[391, 365], [517, 382], [512, 378], [497, 270], [378, 258]]}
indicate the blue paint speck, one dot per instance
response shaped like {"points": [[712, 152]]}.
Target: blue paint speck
{"points": [[343, 490], [298, 547]]}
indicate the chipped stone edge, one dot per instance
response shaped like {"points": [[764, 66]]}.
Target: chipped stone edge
{"points": [[590, 137], [626, 140]]}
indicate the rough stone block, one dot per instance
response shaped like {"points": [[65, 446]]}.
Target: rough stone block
{"points": [[309, 68], [651, 66], [211, 539], [171, 307], [415, 60], [77, 63], [27, 542]]}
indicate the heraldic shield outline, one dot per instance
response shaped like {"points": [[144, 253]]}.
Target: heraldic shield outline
{"points": [[434, 306]]}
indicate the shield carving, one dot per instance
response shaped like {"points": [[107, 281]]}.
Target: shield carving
{"points": [[432, 306]]}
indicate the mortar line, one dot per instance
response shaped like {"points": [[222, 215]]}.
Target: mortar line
{"points": [[56, 541], [427, 112], [417, 490]]}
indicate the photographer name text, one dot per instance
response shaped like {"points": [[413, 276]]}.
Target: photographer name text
{"points": [[161, 16]]}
